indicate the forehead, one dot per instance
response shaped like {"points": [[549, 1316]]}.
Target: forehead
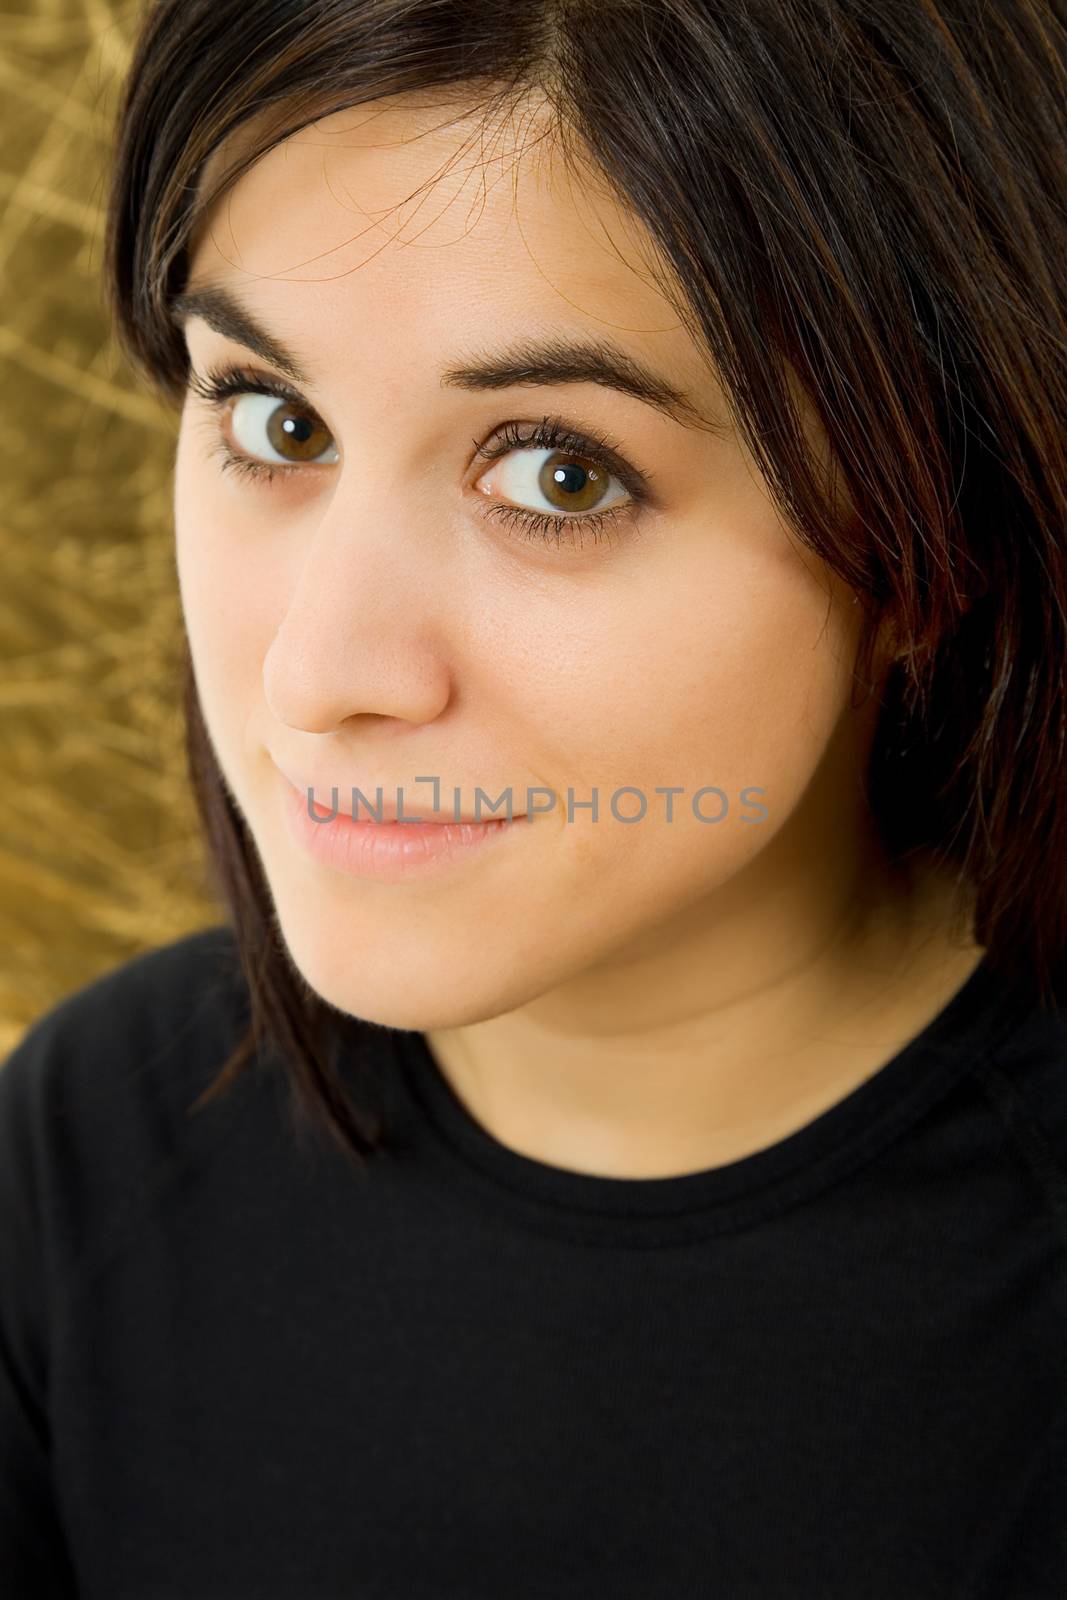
{"points": [[435, 217]]}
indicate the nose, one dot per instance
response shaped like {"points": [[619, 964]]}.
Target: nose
{"points": [[359, 634]]}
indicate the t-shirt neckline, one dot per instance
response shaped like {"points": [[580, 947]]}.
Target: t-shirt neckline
{"points": [[659, 1209]]}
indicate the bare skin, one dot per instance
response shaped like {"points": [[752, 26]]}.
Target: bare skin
{"points": [[630, 1001], [716, 1084]]}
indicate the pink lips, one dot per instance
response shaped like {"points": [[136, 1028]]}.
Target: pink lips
{"points": [[388, 849]]}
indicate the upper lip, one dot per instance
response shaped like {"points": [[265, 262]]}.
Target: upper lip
{"points": [[390, 810]]}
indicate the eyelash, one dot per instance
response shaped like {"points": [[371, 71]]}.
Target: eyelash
{"points": [[220, 383]]}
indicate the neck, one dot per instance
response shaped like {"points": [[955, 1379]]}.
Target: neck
{"points": [[694, 1047]]}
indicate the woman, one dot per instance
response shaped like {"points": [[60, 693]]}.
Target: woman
{"points": [[619, 506]]}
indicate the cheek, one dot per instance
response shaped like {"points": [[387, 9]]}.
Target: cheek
{"points": [[731, 668], [227, 605], [227, 592], [714, 674], [753, 693]]}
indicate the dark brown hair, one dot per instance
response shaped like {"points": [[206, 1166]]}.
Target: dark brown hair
{"points": [[865, 199]]}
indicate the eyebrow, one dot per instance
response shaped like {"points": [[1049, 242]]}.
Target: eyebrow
{"points": [[526, 362]]}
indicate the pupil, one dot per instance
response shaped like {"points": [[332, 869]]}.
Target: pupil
{"points": [[297, 428], [563, 476]]}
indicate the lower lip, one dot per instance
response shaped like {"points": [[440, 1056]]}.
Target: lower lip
{"points": [[389, 850]]}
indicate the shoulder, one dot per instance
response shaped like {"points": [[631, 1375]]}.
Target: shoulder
{"points": [[179, 1002], [95, 1097], [1025, 1079], [156, 978]]}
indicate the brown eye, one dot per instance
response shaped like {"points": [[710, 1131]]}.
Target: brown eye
{"points": [[551, 480], [279, 432], [572, 483]]}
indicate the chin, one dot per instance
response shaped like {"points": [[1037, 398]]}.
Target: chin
{"points": [[414, 984]]}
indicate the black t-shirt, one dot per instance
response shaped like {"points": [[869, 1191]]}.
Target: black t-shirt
{"points": [[232, 1367]]}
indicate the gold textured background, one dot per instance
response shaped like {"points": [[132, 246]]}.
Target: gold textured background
{"points": [[99, 857]]}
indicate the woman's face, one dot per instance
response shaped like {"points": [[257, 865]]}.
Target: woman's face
{"points": [[372, 618]]}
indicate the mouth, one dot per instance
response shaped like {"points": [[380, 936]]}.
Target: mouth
{"points": [[393, 848], [383, 814]]}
